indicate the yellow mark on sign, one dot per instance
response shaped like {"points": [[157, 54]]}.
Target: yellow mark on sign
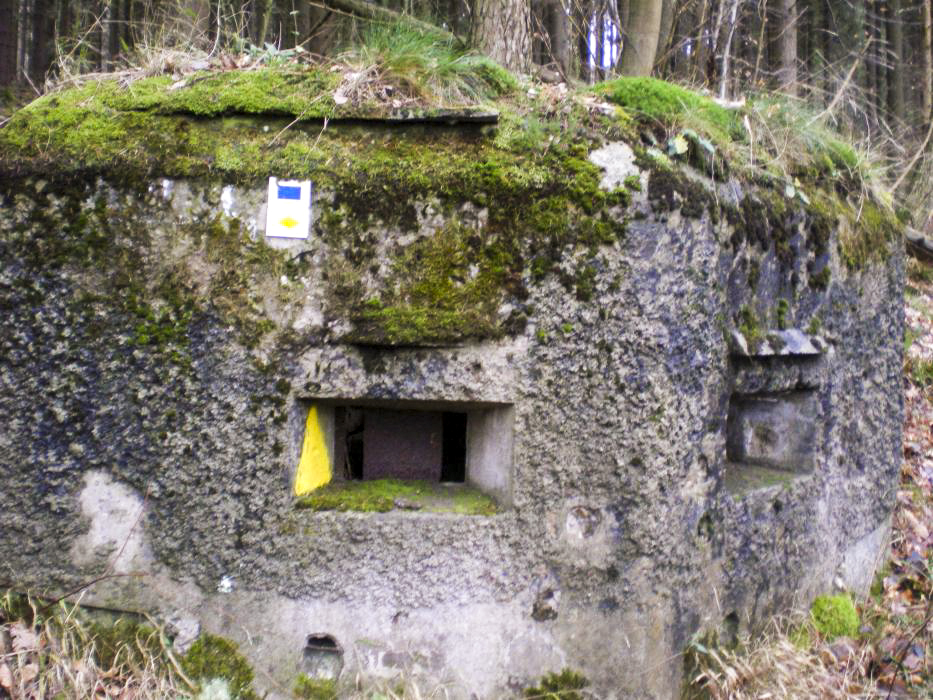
{"points": [[288, 222], [314, 468]]}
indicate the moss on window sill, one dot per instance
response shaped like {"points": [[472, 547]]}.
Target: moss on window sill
{"points": [[384, 495]]}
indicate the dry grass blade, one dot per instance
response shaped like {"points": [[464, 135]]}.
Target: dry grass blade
{"points": [[778, 664], [60, 653]]}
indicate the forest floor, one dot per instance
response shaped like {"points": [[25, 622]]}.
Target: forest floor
{"points": [[900, 610]]}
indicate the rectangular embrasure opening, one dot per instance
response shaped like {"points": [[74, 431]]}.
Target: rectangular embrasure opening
{"points": [[771, 437], [425, 443]]}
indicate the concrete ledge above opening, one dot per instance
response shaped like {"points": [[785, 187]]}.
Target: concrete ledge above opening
{"points": [[791, 342]]}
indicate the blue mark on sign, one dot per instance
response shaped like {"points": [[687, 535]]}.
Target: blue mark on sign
{"points": [[289, 192]]}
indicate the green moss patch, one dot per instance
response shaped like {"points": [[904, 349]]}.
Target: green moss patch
{"points": [[566, 685], [658, 103], [213, 657], [308, 688], [740, 479], [868, 236], [383, 495], [441, 288], [540, 205], [296, 92], [835, 616], [539, 196], [750, 327], [305, 93]]}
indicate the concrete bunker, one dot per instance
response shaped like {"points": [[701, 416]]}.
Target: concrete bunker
{"points": [[447, 442], [572, 331]]}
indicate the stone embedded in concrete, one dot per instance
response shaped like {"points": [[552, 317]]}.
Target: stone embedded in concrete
{"points": [[791, 341], [114, 540], [862, 559], [617, 160]]}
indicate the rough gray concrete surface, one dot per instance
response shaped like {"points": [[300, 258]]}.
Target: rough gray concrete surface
{"points": [[141, 435]]}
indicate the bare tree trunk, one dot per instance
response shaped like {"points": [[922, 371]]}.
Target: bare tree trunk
{"points": [[193, 18], [761, 45], [65, 19], [703, 41], [732, 19], [600, 45], [849, 41], [582, 11], [116, 28], [302, 25], [457, 13], [552, 35], [681, 59], [787, 46], [8, 28], [808, 43], [103, 35], [875, 77], [665, 31], [895, 32], [558, 26], [366, 10], [927, 89], [22, 37], [321, 34], [502, 30], [263, 12], [539, 34], [42, 47], [641, 37]]}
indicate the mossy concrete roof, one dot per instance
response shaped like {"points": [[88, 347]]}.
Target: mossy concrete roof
{"points": [[296, 121]]}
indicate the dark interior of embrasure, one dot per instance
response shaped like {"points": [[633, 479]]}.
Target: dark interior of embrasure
{"points": [[380, 443]]}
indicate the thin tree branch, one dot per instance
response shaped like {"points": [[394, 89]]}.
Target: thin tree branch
{"points": [[365, 10], [913, 161], [903, 655], [845, 83]]}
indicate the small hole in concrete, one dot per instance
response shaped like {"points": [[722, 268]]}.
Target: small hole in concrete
{"points": [[731, 628], [323, 657]]}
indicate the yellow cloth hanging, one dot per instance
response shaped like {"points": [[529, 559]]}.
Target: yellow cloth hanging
{"points": [[314, 469]]}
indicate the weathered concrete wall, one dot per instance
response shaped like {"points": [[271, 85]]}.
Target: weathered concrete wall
{"points": [[149, 434]]}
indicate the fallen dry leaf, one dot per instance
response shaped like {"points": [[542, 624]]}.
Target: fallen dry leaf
{"points": [[6, 677], [920, 530], [24, 638], [28, 673]]}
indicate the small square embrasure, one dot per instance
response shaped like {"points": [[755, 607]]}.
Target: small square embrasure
{"points": [[773, 430]]}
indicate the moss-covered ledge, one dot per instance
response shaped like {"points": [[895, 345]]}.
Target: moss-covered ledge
{"points": [[384, 495], [539, 195]]}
